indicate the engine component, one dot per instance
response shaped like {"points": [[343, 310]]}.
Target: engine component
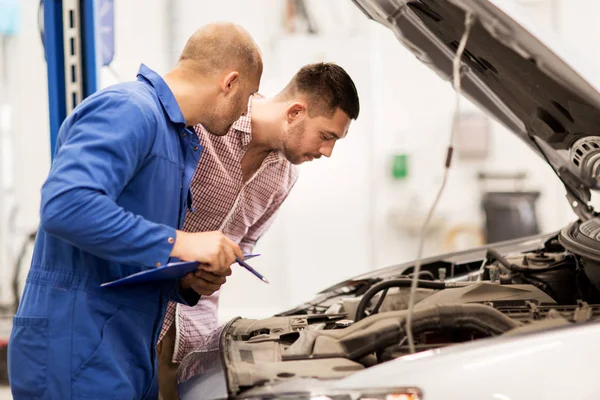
{"points": [[583, 238], [494, 274], [442, 274], [482, 292], [388, 329], [369, 294], [555, 272], [585, 155], [536, 263]]}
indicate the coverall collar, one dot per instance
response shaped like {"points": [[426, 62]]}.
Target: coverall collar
{"points": [[165, 95]]}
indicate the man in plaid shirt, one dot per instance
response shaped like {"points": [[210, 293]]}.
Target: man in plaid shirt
{"points": [[244, 177]]}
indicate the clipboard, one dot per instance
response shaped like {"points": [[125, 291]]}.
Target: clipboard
{"points": [[168, 272]]}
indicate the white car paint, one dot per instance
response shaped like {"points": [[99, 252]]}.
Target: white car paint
{"points": [[557, 364]]}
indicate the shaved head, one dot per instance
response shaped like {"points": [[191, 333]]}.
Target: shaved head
{"points": [[219, 68], [221, 47]]}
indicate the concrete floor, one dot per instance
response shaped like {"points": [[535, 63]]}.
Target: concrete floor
{"points": [[5, 393]]}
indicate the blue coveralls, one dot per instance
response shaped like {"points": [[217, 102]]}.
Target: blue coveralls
{"points": [[118, 187]]}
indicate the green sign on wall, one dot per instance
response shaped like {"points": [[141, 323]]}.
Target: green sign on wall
{"points": [[400, 166]]}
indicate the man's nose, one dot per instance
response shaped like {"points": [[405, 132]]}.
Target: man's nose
{"points": [[327, 149]]}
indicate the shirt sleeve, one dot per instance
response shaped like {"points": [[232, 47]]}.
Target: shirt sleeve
{"points": [[264, 223], [102, 146]]}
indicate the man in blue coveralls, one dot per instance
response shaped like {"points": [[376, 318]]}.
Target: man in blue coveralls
{"points": [[112, 205]]}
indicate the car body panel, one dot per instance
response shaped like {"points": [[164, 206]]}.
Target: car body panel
{"points": [[540, 366]]}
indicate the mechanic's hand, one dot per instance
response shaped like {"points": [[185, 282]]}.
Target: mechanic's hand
{"points": [[213, 249], [203, 282]]}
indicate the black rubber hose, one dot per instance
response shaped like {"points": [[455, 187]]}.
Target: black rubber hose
{"points": [[494, 255], [476, 317], [540, 284], [380, 301], [385, 292], [369, 294]]}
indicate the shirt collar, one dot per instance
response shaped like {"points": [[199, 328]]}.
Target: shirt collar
{"points": [[244, 124], [165, 95]]}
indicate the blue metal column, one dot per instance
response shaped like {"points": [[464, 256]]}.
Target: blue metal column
{"points": [[75, 69], [54, 51], [89, 40]]}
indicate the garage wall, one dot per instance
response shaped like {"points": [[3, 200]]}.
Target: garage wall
{"points": [[28, 99], [327, 213], [337, 222]]}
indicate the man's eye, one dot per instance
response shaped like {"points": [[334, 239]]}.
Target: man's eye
{"points": [[325, 137]]}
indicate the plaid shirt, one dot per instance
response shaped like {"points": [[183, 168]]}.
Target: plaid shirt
{"points": [[222, 201]]}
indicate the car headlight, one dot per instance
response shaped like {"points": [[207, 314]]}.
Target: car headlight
{"points": [[366, 394]]}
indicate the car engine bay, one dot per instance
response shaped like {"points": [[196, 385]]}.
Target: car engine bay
{"points": [[361, 323]]}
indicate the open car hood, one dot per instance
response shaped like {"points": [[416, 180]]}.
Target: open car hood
{"points": [[513, 73]]}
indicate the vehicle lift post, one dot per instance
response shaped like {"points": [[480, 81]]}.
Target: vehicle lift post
{"points": [[69, 37]]}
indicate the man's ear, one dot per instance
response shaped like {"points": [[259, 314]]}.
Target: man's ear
{"points": [[295, 111], [229, 81]]}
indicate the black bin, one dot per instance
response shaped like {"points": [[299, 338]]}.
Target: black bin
{"points": [[510, 215]]}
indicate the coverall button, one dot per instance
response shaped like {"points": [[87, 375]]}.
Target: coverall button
{"points": [[195, 148], [184, 134], [158, 264], [171, 240]]}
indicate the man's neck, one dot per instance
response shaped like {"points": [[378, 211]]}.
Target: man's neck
{"points": [[266, 128], [192, 97], [266, 134]]}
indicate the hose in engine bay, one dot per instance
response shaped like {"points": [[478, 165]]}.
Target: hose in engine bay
{"points": [[388, 329], [391, 283]]}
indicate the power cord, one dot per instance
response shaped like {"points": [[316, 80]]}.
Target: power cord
{"points": [[40, 24], [114, 73], [469, 20]]}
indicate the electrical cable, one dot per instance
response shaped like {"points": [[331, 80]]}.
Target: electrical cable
{"points": [[469, 19], [40, 24], [114, 73]]}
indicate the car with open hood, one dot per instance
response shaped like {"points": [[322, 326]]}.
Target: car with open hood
{"points": [[510, 320]]}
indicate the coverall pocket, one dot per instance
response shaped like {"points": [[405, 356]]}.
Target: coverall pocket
{"points": [[100, 374], [27, 357]]}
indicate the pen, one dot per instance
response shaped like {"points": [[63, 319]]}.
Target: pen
{"points": [[249, 268]]}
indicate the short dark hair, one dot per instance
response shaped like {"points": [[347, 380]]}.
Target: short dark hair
{"points": [[328, 87]]}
